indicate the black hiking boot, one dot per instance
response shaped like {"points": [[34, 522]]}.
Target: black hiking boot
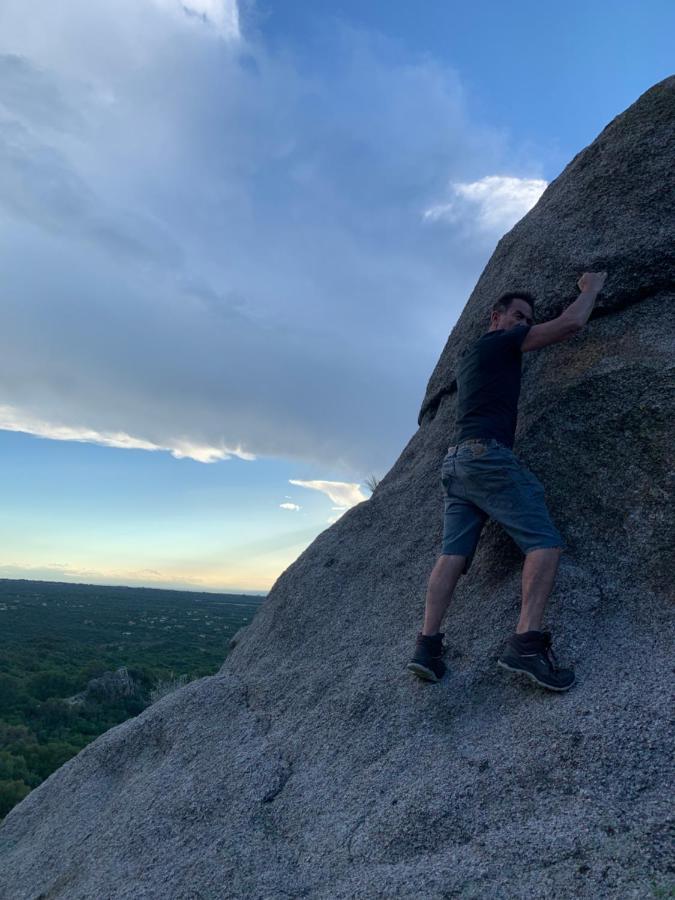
{"points": [[531, 654], [427, 663]]}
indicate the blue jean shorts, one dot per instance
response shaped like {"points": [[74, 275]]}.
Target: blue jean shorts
{"points": [[483, 479]]}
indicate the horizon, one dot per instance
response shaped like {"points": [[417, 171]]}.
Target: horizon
{"points": [[235, 239], [132, 587]]}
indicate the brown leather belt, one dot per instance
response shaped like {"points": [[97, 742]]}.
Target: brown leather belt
{"points": [[473, 441]]}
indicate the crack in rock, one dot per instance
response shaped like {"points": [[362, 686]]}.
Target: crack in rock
{"points": [[284, 773], [624, 301]]}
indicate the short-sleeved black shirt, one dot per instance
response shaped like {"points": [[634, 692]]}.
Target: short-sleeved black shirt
{"points": [[488, 386]]}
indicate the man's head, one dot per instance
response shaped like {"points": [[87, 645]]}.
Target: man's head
{"points": [[513, 308]]}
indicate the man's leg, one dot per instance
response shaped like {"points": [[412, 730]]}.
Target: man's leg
{"points": [[427, 662], [442, 582], [462, 524], [529, 649], [539, 572]]}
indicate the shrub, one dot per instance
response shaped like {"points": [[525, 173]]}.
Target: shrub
{"points": [[164, 686]]}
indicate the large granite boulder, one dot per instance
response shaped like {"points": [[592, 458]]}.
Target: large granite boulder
{"points": [[313, 765]]}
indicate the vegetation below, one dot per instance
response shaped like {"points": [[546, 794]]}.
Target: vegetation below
{"points": [[58, 641]]}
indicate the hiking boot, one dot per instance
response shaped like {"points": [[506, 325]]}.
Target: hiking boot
{"points": [[531, 654], [426, 662]]}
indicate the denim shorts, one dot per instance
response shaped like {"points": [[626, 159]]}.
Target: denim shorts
{"points": [[483, 479]]}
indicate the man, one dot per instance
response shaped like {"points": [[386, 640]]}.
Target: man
{"points": [[483, 478]]}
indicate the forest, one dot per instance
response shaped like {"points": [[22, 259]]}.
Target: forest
{"points": [[77, 659]]}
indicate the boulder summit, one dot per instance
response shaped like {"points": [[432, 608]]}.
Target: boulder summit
{"points": [[313, 765]]}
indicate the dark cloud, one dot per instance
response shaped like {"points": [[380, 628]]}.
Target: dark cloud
{"points": [[222, 247]]}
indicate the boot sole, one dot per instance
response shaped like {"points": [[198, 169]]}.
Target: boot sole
{"points": [[422, 672], [534, 678]]}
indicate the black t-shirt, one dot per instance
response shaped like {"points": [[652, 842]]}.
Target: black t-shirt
{"points": [[488, 386]]}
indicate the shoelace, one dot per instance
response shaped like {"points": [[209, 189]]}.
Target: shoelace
{"points": [[548, 652]]}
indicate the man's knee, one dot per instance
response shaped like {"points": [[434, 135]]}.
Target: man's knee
{"points": [[452, 561], [550, 552]]}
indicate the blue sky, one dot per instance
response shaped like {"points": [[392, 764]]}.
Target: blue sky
{"points": [[234, 239]]}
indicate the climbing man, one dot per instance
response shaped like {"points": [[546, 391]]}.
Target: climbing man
{"points": [[483, 478]]}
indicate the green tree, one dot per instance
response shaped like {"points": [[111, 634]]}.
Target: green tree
{"points": [[54, 713], [12, 694], [13, 734], [43, 759], [11, 793], [51, 684], [12, 767]]}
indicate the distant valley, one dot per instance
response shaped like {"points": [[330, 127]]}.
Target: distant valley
{"points": [[77, 659]]}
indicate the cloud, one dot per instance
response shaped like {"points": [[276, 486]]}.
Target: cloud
{"points": [[293, 506], [340, 492], [13, 420], [211, 247], [222, 14], [494, 203]]}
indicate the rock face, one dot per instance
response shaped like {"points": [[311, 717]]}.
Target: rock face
{"points": [[107, 688], [313, 765], [111, 686]]}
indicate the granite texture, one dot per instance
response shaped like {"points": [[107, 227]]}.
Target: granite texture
{"points": [[313, 765]]}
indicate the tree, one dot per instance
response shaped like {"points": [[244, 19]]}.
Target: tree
{"points": [[11, 793]]}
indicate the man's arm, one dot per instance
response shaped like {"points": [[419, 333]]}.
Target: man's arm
{"points": [[572, 320]]}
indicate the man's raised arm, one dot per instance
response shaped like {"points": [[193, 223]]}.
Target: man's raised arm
{"points": [[571, 320]]}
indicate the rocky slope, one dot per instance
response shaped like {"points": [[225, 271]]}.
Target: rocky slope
{"points": [[313, 765]]}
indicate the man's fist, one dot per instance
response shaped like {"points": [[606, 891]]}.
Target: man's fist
{"points": [[592, 281]]}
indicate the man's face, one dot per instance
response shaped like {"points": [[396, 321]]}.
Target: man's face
{"points": [[518, 313]]}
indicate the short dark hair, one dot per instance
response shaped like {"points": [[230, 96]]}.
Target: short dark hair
{"points": [[503, 303]]}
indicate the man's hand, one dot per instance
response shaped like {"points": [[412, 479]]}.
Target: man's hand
{"points": [[592, 281]]}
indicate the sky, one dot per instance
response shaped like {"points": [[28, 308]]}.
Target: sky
{"points": [[234, 237]]}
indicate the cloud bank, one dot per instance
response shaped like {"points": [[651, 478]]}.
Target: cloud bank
{"points": [[215, 249]]}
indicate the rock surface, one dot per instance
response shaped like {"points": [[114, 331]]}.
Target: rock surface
{"points": [[313, 765], [107, 688]]}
